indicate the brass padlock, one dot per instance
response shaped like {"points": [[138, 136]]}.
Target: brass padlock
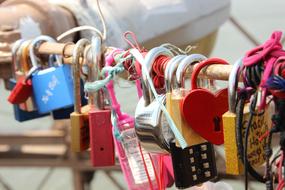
{"points": [[256, 148], [178, 94], [195, 164], [29, 104], [79, 118]]}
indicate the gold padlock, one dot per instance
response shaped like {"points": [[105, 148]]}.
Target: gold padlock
{"points": [[79, 118], [191, 137], [256, 148], [29, 104]]}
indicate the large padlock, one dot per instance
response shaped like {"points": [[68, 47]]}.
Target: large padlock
{"points": [[196, 163], [79, 118], [206, 122], [256, 148], [19, 113], [52, 86], [151, 125], [100, 125]]}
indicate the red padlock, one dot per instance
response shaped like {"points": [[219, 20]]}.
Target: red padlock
{"points": [[21, 92], [102, 150], [203, 110]]}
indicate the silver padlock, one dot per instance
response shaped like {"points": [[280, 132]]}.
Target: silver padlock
{"points": [[151, 126]]}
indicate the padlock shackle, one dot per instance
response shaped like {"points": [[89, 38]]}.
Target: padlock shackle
{"points": [[200, 66], [233, 84], [183, 66], [15, 56], [76, 54], [35, 42], [170, 70], [150, 57]]}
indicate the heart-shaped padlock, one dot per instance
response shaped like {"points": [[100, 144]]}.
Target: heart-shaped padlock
{"points": [[203, 109]]}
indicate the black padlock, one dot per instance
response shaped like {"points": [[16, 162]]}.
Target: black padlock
{"points": [[193, 165]]}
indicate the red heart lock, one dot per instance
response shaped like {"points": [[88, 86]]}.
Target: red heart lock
{"points": [[203, 110]]}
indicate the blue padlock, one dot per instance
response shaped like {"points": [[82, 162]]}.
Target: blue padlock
{"points": [[53, 87], [64, 113]]}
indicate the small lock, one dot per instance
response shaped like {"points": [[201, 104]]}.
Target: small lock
{"points": [[100, 125], [79, 118], [256, 155], [193, 165], [178, 92], [52, 86]]}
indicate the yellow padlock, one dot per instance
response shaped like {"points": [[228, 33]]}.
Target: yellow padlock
{"points": [[256, 148], [178, 92], [79, 118]]}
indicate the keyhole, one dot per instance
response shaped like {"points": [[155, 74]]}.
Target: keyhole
{"points": [[217, 121], [101, 148]]}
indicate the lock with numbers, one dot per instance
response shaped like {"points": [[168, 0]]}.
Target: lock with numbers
{"points": [[79, 118], [20, 113], [150, 123], [256, 148], [52, 86], [195, 164], [100, 125]]}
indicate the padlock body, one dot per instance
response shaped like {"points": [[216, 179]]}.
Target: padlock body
{"points": [[64, 113], [256, 154], [190, 136], [193, 165], [22, 115], [152, 128], [21, 92], [53, 88], [79, 131], [101, 138]]}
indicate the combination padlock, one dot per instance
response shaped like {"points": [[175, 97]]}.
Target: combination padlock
{"points": [[150, 123], [79, 118], [256, 155], [52, 87], [102, 151]]}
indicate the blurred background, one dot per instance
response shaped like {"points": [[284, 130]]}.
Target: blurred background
{"points": [[221, 39]]}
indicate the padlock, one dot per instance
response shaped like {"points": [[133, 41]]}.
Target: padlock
{"points": [[205, 122], [29, 104], [79, 118], [150, 123], [177, 93], [100, 125], [20, 114], [194, 168], [255, 148], [22, 90], [193, 165], [52, 86], [64, 113]]}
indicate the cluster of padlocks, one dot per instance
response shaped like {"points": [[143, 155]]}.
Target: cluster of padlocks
{"points": [[172, 134]]}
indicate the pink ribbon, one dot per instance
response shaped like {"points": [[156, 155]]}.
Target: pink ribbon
{"points": [[268, 53]]}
